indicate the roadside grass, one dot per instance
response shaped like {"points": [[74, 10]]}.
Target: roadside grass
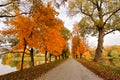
{"points": [[31, 73], [104, 71], [28, 59]]}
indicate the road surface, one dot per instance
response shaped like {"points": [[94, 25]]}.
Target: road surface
{"points": [[70, 70]]}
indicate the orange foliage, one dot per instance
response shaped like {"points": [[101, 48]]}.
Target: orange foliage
{"points": [[39, 30], [51, 39], [78, 45], [25, 65], [7, 61], [9, 55], [53, 42], [87, 54]]}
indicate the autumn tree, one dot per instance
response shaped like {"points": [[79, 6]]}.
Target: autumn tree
{"points": [[25, 30], [66, 35], [101, 17], [79, 45], [75, 43], [50, 28], [38, 29]]}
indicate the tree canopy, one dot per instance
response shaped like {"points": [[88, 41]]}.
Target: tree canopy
{"points": [[101, 17]]}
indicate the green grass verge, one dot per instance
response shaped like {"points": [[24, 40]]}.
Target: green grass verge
{"points": [[27, 59], [31, 73], [105, 71]]}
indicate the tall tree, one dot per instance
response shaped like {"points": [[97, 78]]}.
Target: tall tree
{"points": [[78, 46], [25, 30], [66, 35], [49, 27], [101, 17]]}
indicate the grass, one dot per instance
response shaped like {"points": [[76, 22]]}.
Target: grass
{"points": [[28, 59], [31, 73], [105, 71]]}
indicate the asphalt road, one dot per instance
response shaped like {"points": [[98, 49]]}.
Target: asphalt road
{"points": [[70, 70]]}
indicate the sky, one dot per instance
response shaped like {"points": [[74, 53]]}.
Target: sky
{"points": [[110, 39]]}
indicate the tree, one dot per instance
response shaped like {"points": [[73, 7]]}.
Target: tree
{"points": [[78, 46], [49, 27], [101, 17], [66, 35], [38, 30], [53, 42]]}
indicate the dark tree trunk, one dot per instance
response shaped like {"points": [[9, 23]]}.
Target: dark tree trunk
{"points": [[80, 55], [23, 55], [62, 55], [76, 56], [65, 55], [100, 45], [59, 57], [32, 57], [56, 58], [45, 57], [50, 57]]}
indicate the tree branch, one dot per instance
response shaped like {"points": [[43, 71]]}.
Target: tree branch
{"points": [[92, 2], [10, 16], [87, 14], [107, 13], [111, 31], [1, 5], [111, 16]]}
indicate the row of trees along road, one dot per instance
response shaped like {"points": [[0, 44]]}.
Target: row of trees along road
{"points": [[79, 44], [100, 17], [35, 24]]}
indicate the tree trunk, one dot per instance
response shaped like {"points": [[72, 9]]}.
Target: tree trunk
{"points": [[50, 57], [23, 55], [45, 57], [55, 58], [59, 57], [80, 55], [100, 45], [62, 56], [65, 55], [32, 57], [76, 56]]}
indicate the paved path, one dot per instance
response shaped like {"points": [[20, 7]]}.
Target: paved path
{"points": [[70, 70]]}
